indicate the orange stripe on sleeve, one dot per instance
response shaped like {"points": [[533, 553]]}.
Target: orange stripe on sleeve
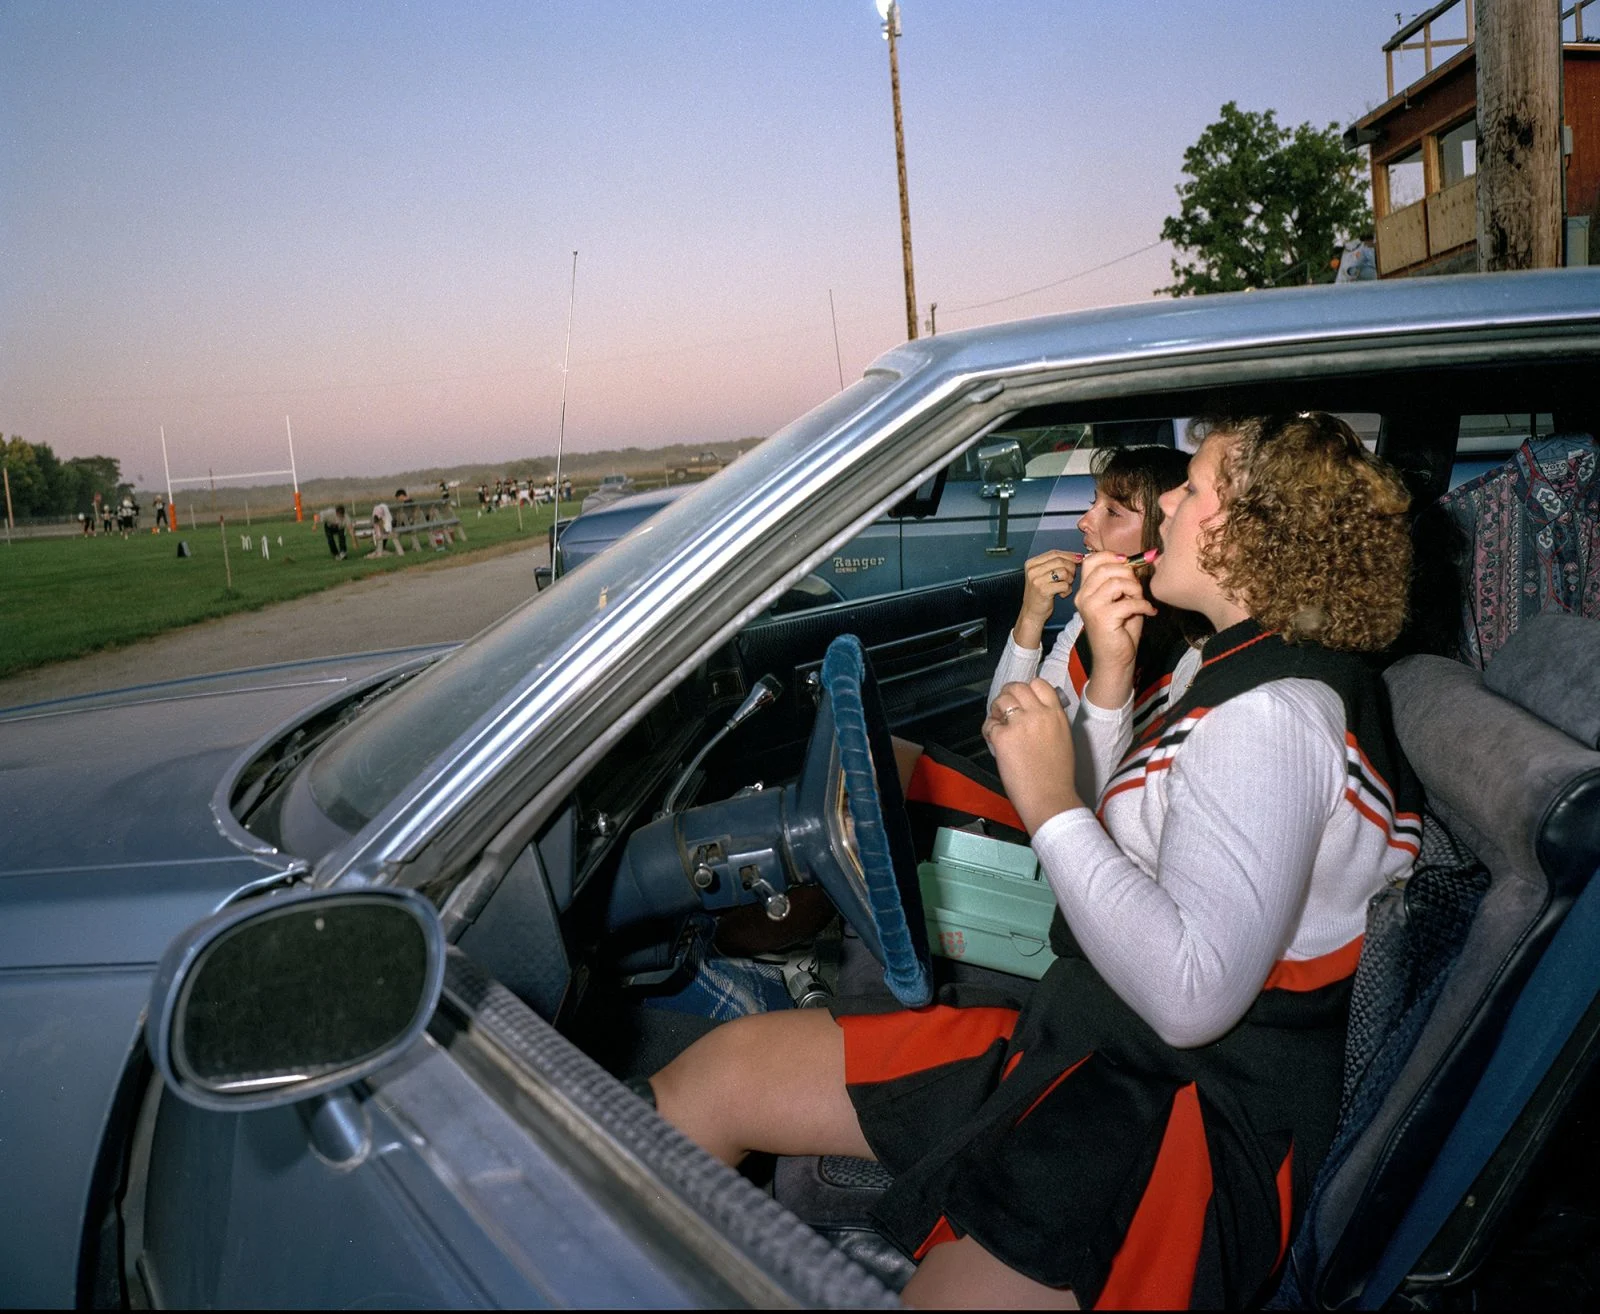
{"points": [[886, 1046], [1404, 845], [1154, 1269], [1136, 783]]}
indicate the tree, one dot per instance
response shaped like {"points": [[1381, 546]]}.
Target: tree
{"points": [[84, 476], [43, 485], [30, 492], [1263, 206]]}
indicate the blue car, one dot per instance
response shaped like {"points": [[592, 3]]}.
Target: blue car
{"points": [[322, 983]]}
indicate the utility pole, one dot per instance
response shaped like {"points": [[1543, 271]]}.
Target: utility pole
{"points": [[1519, 134], [891, 30]]}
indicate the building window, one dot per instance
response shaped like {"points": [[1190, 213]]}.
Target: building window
{"points": [[1406, 184], [1458, 152]]}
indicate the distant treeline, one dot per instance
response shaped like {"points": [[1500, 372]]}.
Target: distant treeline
{"points": [[44, 485]]}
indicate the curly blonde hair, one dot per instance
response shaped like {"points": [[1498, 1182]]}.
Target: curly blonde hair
{"points": [[1315, 541]]}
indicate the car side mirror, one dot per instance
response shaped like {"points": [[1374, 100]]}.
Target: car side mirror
{"points": [[269, 1002], [1000, 465]]}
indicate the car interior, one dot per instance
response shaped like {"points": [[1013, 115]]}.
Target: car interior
{"points": [[744, 847]]}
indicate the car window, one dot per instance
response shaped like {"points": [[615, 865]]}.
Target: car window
{"points": [[1500, 435], [1050, 451], [1367, 425], [358, 773]]}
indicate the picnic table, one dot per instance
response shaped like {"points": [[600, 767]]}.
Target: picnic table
{"points": [[436, 518]]}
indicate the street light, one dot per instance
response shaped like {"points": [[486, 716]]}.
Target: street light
{"points": [[889, 12]]}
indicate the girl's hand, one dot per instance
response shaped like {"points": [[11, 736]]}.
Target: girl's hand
{"points": [[1046, 577], [1032, 745], [1113, 606]]}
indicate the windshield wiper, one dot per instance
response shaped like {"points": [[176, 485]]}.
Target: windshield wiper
{"points": [[294, 750]]}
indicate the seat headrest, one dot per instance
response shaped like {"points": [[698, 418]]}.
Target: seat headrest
{"points": [[1551, 666], [1521, 794]]}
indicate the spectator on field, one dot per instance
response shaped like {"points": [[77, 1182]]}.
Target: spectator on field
{"points": [[161, 514], [335, 525], [383, 530]]}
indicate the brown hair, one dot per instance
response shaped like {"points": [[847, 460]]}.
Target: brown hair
{"points": [[1315, 542], [1136, 477]]}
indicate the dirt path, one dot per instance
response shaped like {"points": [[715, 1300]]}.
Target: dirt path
{"points": [[441, 602]]}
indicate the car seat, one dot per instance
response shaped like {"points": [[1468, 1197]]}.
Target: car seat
{"points": [[1509, 763]]}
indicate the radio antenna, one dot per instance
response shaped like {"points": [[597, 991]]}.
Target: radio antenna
{"points": [[561, 432]]}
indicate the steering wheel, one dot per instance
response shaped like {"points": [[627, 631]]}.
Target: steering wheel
{"points": [[868, 865], [842, 824]]}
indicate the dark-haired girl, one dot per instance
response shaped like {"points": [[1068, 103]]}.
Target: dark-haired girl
{"points": [[1123, 521]]}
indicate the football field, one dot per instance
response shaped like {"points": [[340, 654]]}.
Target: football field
{"points": [[64, 597]]}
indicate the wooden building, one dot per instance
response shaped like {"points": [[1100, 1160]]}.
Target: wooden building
{"points": [[1423, 141]]}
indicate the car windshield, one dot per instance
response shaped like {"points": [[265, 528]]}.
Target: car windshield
{"points": [[360, 771]]}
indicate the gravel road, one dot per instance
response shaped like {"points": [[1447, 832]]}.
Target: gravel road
{"points": [[441, 602]]}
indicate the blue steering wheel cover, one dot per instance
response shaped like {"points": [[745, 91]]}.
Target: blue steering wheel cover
{"points": [[848, 683]]}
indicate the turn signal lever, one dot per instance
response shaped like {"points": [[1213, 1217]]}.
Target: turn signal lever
{"points": [[767, 691]]}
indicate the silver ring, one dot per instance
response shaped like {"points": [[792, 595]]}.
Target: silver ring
{"points": [[1006, 713], [1055, 577]]}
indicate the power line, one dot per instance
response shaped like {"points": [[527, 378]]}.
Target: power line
{"points": [[1045, 287]]}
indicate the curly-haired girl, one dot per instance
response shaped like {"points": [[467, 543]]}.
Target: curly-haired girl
{"points": [[1144, 1129]]}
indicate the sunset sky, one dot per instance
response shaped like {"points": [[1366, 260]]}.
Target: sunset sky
{"points": [[362, 215]]}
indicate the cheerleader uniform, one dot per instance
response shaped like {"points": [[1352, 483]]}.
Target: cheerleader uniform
{"points": [[1146, 1127], [947, 789]]}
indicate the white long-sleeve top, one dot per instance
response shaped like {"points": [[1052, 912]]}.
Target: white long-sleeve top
{"points": [[1019, 665], [1237, 841]]}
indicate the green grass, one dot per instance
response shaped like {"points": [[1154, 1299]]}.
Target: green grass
{"points": [[63, 597]]}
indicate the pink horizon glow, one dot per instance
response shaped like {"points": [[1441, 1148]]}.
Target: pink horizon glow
{"points": [[363, 215]]}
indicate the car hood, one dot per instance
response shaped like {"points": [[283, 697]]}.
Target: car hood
{"points": [[631, 507], [124, 779]]}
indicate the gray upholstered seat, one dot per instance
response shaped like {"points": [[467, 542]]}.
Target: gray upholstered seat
{"points": [[1524, 796]]}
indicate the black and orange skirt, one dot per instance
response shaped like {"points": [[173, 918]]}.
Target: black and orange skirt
{"points": [[1083, 1151]]}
